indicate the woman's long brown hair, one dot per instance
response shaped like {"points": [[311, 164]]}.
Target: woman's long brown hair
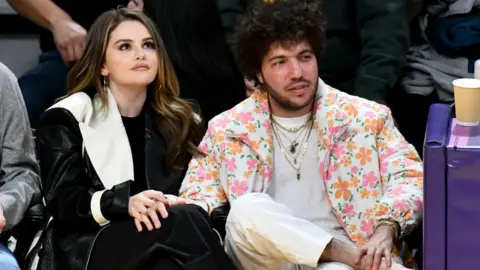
{"points": [[173, 117]]}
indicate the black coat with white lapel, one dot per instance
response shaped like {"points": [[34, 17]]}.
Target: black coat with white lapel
{"points": [[83, 150]]}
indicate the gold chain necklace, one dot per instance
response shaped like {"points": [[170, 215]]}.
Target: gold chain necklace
{"points": [[296, 168], [293, 144], [293, 129]]}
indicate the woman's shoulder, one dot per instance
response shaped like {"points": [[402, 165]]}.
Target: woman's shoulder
{"points": [[76, 103], [57, 117], [68, 111]]}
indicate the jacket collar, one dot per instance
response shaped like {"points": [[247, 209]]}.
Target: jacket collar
{"points": [[104, 136]]}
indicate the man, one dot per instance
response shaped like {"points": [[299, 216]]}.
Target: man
{"points": [[64, 31], [316, 178], [19, 181], [366, 43]]}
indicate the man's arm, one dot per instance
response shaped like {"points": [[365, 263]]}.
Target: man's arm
{"points": [[202, 181], [42, 12], [384, 35], [19, 180], [402, 177], [68, 35]]}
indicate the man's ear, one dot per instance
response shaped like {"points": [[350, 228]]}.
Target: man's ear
{"points": [[260, 78]]}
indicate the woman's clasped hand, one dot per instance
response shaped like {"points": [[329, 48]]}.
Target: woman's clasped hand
{"points": [[145, 206]]}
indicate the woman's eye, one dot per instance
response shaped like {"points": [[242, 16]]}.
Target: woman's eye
{"points": [[124, 47], [149, 45]]}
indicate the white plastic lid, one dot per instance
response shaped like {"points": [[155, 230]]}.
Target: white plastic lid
{"points": [[477, 69], [467, 83]]}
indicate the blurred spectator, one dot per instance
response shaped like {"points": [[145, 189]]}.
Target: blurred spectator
{"points": [[365, 46], [203, 62], [19, 180], [447, 48]]}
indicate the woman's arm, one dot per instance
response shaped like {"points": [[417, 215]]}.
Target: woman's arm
{"points": [[67, 186]]}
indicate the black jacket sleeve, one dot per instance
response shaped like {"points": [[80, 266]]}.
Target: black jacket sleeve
{"points": [[384, 35], [68, 186]]}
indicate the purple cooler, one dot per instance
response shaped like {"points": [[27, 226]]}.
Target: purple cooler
{"points": [[452, 189], [463, 200], [435, 184]]}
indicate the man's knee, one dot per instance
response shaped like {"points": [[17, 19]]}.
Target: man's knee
{"points": [[248, 207], [333, 266]]}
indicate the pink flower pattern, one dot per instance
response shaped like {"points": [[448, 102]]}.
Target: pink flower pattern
{"points": [[239, 188], [338, 151], [369, 179], [230, 164], [252, 164], [368, 226], [223, 176], [401, 205], [245, 117], [398, 191], [349, 210]]}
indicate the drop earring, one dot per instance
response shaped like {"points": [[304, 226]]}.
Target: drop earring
{"points": [[105, 83]]}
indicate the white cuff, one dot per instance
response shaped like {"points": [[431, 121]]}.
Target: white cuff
{"points": [[96, 209]]}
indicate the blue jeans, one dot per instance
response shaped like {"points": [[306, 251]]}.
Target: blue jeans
{"points": [[43, 84], [7, 260]]}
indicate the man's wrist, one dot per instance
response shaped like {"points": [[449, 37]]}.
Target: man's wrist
{"points": [[386, 228], [56, 17], [391, 225]]}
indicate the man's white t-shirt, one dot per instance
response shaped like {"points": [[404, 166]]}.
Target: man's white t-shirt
{"points": [[306, 197]]}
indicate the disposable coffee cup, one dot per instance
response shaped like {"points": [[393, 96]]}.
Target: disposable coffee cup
{"points": [[467, 101]]}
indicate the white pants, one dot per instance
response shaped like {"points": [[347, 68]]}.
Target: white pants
{"points": [[262, 234]]}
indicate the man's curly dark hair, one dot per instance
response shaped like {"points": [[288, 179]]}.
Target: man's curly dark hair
{"points": [[284, 21]]}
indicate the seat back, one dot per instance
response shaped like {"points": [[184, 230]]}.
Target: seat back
{"points": [[25, 232]]}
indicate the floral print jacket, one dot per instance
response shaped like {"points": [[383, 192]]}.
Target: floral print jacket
{"points": [[369, 171]]}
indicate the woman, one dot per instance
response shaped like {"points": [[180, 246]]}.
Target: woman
{"points": [[112, 149], [203, 62]]}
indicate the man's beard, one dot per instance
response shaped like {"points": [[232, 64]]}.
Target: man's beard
{"points": [[287, 104]]}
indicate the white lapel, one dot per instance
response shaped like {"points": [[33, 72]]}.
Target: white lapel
{"points": [[104, 137]]}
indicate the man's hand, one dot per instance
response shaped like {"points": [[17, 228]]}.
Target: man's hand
{"points": [[3, 221], [70, 39], [380, 245], [136, 4]]}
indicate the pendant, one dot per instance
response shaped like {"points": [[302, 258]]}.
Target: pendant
{"points": [[298, 176], [293, 147]]}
